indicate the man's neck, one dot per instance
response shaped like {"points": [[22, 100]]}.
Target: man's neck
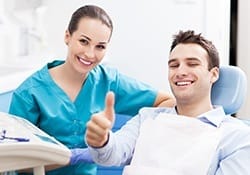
{"points": [[193, 109]]}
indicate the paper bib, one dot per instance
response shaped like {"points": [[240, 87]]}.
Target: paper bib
{"points": [[174, 145]]}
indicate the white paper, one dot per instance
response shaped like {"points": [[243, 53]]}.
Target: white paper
{"points": [[174, 145]]}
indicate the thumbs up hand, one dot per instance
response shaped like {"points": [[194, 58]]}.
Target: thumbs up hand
{"points": [[99, 125]]}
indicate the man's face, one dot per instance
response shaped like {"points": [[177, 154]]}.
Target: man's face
{"points": [[188, 75]]}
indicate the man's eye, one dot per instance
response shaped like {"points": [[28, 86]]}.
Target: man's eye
{"points": [[173, 65], [193, 64]]}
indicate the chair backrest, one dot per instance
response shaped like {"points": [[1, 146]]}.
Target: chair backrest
{"points": [[230, 89]]}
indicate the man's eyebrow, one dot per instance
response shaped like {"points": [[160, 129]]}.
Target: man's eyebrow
{"points": [[187, 59], [172, 60], [193, 58]]}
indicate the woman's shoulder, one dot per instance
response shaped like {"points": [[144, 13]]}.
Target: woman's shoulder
{"points": [[38, 78]]}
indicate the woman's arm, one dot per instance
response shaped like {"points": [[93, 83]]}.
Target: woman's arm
{"points": [[164, 99]]}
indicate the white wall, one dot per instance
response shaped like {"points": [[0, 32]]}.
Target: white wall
{"points": [[143, 31], [243, 50]]}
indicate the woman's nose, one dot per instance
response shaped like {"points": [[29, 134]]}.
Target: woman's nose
{"points": [[90, 52]]}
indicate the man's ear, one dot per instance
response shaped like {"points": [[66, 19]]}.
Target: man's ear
{"points": [[215, 71], [67, 37]]}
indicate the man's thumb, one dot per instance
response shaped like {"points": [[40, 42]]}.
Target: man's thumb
{"points": [[109, 109]]}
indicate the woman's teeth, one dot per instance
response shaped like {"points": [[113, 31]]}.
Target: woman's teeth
{"points": [[85, 62]]}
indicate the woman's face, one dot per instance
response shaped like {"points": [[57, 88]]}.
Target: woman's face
{"points": [[87, 45]]}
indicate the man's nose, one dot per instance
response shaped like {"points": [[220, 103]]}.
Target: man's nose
{"points": [[181, 70]]}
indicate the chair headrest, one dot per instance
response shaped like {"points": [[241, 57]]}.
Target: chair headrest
{"points": [[230, 89]]}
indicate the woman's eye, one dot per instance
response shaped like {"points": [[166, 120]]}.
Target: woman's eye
{"points": [[84, 41], [101, 47]]}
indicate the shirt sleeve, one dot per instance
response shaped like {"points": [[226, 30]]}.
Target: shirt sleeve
{"points": [[236, 163], [23, 107], [132, 94], [119, 149], [237, 160]]}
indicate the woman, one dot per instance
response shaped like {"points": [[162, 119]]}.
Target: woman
{"points": [[61, 97]]}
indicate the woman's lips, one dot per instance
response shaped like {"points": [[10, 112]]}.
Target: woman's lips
{"points": [[84, 61]]}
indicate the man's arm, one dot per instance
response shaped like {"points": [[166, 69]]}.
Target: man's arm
{"points": [[107, 148], [236, 163]]}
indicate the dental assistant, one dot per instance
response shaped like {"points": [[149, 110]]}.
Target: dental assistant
{"points": [[61, 97]]}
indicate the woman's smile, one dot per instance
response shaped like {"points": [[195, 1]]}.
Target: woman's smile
{"points": [[84, 61]]}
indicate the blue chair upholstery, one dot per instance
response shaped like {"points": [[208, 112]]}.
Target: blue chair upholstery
{"points": [[230, 90]]}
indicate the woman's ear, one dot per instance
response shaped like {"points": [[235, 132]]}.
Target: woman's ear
{"points": [[67, 37], [215, 71]]}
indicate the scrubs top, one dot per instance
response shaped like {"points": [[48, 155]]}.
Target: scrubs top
{"points": [[41, 101]]}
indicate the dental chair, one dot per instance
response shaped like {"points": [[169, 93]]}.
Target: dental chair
{"points": [[229, 91]]}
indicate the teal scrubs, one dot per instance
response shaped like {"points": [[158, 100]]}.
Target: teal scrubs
{"points": [[40, 100]]}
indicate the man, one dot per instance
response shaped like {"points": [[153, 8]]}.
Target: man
{"points": [[194, 137]]}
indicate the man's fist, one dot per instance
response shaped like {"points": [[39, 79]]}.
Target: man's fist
{"points": [[99, 125]]}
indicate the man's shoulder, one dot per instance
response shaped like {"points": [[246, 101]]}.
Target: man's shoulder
{"points": [[236, 127]]}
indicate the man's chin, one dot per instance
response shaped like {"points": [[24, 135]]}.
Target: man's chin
{"points": [[183, 98]]}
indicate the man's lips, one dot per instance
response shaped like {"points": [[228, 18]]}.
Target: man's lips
{"points": [[183, 83]]}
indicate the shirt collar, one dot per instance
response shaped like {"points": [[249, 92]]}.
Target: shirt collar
{"points": [[214, 116]]}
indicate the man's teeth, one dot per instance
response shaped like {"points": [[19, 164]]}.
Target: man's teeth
{"points": [[85, 62], [183, 83]]}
